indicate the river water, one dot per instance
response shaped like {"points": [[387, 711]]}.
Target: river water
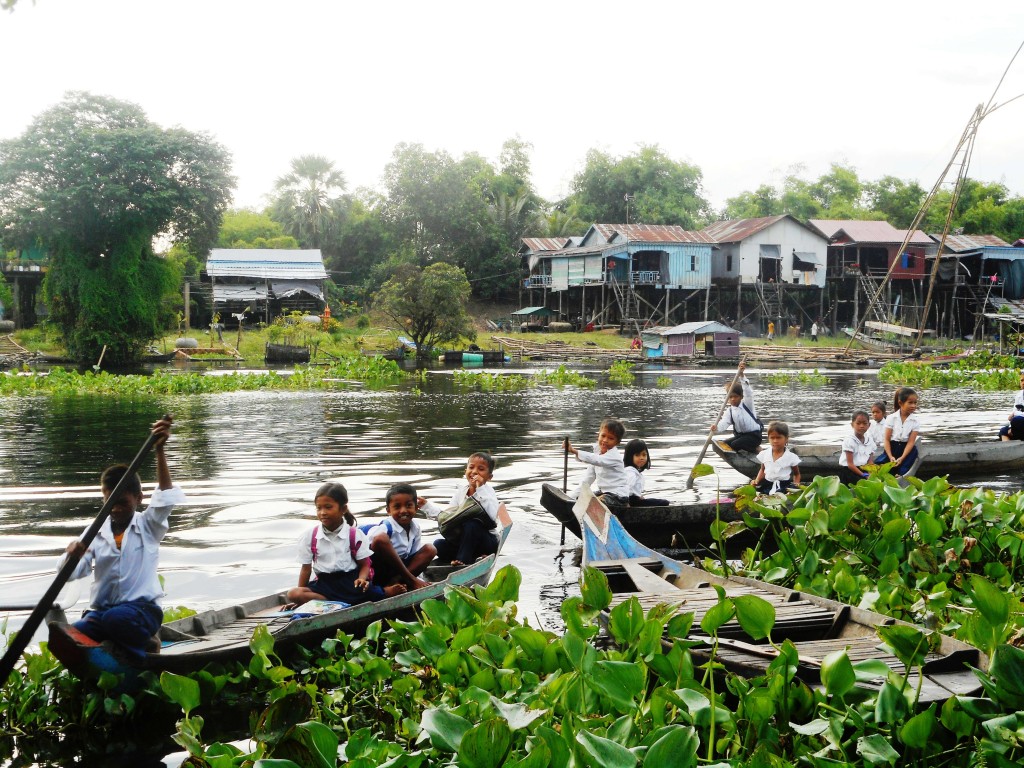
{"points": [[251, 461]]}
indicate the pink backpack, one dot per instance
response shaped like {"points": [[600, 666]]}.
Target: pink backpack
{"points": [[353, 546]]}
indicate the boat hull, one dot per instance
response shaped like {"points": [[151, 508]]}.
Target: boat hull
{"points": [[684, 525], [958, 459], [816, 626], [222, 636]]}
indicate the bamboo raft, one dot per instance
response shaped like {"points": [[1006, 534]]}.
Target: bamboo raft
{"points": [[764, 353], [559, 350]]}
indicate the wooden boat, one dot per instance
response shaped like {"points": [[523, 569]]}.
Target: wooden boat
{"points": [[955, 458], [682, 525], [816, 626], [223, 635]]}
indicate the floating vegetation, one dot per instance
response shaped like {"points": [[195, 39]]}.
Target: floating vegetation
{"points": [[61, 382], [663, 382], [980, 370], [621, 372], [563, 377], [807, 378], [489, 382]]}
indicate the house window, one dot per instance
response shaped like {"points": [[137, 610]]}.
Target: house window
{"points": [[693, 262], [728, 262]]}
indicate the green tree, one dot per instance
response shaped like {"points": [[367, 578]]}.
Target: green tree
{"points": [[895, 200], [428, 304], [310, 203], [93, 181], [660, 190], [759, 204], [245, 228]]}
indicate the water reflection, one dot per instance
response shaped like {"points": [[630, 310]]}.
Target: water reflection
{"points": [[250, 462]]}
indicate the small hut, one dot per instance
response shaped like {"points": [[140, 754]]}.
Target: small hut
{"points": [[701, 339], [531, 318]]}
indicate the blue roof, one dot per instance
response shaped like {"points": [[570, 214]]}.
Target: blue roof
{"points": [[267, 263]]}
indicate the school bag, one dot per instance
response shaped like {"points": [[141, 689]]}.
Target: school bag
{"points": [[451, 519], [352, 545], [760, 423]]}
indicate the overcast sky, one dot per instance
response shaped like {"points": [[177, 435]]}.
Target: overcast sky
{"points": [[744, 90]]}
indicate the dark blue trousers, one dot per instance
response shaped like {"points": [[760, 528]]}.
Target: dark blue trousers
{"points": [[475, 541], [128, 624]]}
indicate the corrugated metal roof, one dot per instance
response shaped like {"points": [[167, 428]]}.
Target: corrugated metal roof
{"points": [[734, 230], [651, 233], [961, 243], [700, 326], [266, 263], [847, 231], [545, 243]]}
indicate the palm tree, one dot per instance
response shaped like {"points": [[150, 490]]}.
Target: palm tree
{"points": [[309, 201]]}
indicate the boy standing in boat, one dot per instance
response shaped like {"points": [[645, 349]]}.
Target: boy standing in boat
{"points": [[604, 463], [126, 591]]}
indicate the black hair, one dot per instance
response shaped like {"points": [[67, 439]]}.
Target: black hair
{"points": [[488, 459], [860, 412], [880, 405], [736, 390], [779, 427], [902, 395], [112, 476], [633, 447], [614, 426], [399, 489], [337, 492]]}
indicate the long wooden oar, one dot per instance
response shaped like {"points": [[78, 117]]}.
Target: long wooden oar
{"points": [[565, 480], [711, 432], [24, 635]]}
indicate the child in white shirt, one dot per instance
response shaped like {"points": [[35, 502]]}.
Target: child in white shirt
{"points": [[858, 447], [604, 463], [637, 459], [902, 429], [780, 467]]}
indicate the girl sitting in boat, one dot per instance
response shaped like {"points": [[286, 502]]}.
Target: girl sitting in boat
{"points": [[901, 432], [876, 429], [1014, 428], [477, 538], [637, 459], [780, 467], [858, 446], [337, 555]]}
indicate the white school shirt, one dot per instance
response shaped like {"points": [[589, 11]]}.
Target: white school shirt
{"points": [[485, 495], [862, 452], [901, 430], [333, 549], [636, 481], [780, 468], [1018, 404], [739, 419], [405, 542], [877, 432], [128, 573], [607, 469]]}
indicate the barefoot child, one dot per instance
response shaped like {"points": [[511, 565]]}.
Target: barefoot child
{"points": [[477, 538], [126, 592], [336, 554], [858, 447], [398, 554], [780, 467], [605, 464]]}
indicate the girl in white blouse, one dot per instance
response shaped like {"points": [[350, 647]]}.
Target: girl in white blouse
{"points": [[901, 432], [780, 467]]}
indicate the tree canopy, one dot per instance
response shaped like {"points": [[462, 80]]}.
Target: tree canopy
{"points": [[93, 181], [429, 304]]}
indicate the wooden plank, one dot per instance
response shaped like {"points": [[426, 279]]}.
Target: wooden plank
{"points": [[899, 330], [646, 580]]}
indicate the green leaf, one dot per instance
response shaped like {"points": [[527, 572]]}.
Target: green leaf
{"points": [[311, 745], [876, 749], [901, 498], [621, 682], [183, 691], [625, 621], [837, 673], [896, 530], [993, 602], [271, 762], [1007, 669], [890, 705], [755, 615], [282, 715], [594, 588], [717, 615], [504, 587], [702, 470], [539, 757], [918, 730], [677, 747], [929, 527], [605, 753], [444, 728], [485, 745], [910, 644]]}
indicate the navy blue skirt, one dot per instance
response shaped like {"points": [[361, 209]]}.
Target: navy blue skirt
{"points": [[340, 586]]}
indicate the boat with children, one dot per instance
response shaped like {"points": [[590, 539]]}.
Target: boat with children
{"points": [[816, 626], [682, 525], [223, 635], [936, 457]]}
